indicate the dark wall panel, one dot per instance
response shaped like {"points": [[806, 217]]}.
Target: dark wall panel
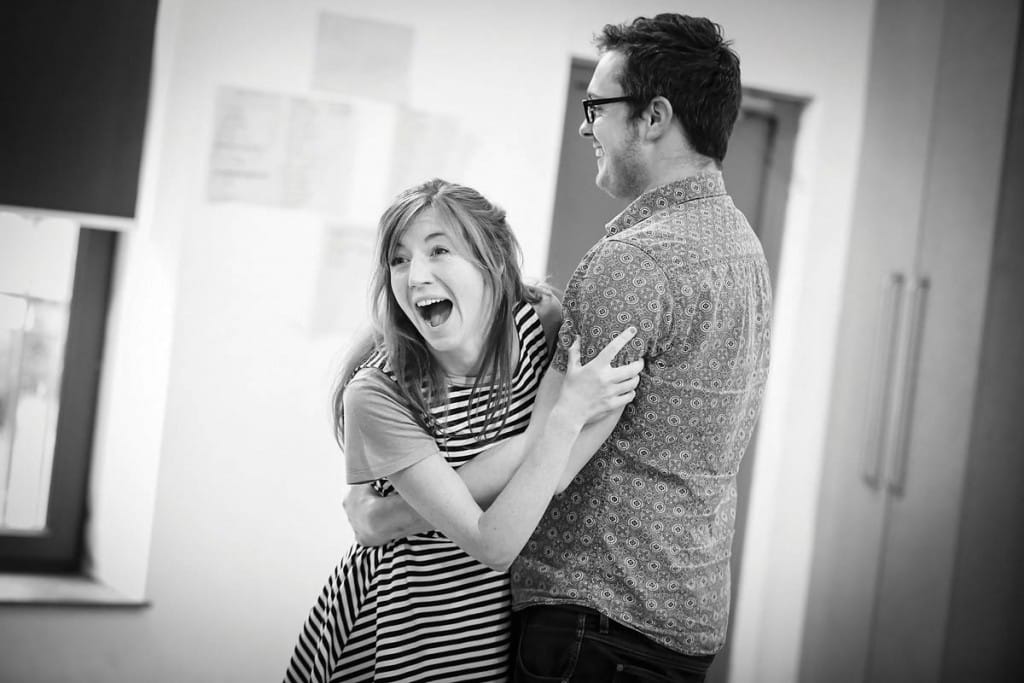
{"points": [[74, 90]]}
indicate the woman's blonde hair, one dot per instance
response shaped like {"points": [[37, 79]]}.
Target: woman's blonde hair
{"points": [[491, 245]]}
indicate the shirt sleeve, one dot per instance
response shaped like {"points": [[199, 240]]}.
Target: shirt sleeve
{"points": [[381, 434], [620, 286]]}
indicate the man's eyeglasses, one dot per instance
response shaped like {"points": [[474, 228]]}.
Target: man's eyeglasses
{"points": [[588, 105]]}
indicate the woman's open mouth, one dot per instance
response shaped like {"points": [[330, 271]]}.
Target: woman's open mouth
{"points": [[434, 311]]}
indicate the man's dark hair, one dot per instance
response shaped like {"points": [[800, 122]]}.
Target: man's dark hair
{"points": [[687, 61]]}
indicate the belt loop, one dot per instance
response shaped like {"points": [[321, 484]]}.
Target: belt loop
{"points": [[603, 623]]}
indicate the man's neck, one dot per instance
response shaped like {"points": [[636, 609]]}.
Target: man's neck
{"points": [[679, 167]]}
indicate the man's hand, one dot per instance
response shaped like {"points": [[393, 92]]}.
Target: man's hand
{"points": [[358, 505], [375, 520]]}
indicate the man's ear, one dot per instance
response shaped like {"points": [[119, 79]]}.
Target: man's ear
{"points": [[658, 117]]}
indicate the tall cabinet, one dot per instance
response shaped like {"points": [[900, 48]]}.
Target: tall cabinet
{"points": [[910, 340]]}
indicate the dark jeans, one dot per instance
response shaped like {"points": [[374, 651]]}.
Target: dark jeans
{"points": [[576, 644]]}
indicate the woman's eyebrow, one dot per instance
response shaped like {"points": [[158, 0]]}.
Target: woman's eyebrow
{"points": [[439, 234]]}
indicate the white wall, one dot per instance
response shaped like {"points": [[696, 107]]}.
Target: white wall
{"points": [[247, 518]]}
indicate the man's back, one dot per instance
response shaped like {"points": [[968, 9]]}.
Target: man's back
{"points": [[644, 532]]}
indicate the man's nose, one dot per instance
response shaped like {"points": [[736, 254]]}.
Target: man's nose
{"points": [[586, 129]]}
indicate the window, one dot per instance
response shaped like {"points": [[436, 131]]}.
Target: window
{"points": [[75, 525], [54, 292], [72, 141]]}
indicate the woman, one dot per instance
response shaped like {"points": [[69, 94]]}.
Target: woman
{"points": [[462, 345]]}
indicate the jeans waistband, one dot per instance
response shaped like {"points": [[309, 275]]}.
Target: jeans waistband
{"points": [[569, 616]]}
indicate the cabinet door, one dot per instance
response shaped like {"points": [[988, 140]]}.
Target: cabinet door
{"points": [[883, 246], [947, 317]]}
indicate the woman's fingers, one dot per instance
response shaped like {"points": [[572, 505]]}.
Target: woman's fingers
{"points": [[619, 400], [628, 371], [627, 387], [615, 345], [597, 388]]}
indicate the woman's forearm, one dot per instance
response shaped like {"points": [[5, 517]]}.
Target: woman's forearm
{"points": [[375, 520], [593, 435], [496, 535], [490, 471], [508, 523], [524, 472]]}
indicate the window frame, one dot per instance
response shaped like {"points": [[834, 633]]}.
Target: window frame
{"points": [[132, 393], [59, 547]]}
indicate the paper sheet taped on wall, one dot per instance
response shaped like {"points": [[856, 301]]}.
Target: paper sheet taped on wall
{"points": [[278, 150], [362, 57]]}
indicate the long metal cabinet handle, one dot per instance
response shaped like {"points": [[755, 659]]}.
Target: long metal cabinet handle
{"points": [[898, 473], [881, 380]]}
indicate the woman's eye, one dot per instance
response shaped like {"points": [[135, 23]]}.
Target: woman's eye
{"points": [[437, 251], [397, 261]]}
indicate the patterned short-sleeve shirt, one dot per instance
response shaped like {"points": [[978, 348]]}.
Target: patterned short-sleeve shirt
{"points": [[644, 532]]}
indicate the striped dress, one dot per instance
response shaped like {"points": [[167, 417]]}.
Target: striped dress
{"points": [[419, 608]]}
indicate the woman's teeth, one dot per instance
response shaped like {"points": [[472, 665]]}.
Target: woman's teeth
{"points": [[434, 311]]}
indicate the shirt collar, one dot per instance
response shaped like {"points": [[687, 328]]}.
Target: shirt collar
{"points": [[661, 198]]}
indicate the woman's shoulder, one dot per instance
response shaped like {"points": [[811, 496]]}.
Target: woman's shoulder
{"points": [[373, 396], [368, 380]]}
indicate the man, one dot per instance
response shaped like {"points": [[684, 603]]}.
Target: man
{"points": [[628, 570]]}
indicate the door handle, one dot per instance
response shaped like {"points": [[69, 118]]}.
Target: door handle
{"points": [[897, 480], [879, 399]]}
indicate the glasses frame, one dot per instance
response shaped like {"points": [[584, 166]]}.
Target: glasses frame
{"points": [[588, 104]]}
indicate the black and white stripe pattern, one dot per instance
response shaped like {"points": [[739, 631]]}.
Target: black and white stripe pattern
{"points": [[419, 608]]}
